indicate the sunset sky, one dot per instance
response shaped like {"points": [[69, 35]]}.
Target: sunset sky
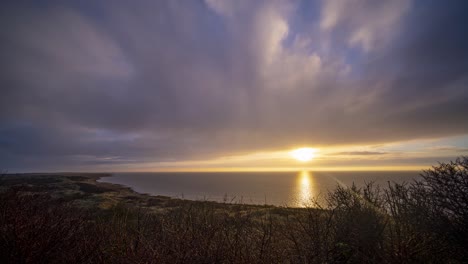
{"points": [[216, 84]]}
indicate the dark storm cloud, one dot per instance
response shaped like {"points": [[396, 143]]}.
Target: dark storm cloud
{"points": [[427, 73], [90, 84]]}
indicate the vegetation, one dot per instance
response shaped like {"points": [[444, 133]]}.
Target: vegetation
{"points": [[421, 222]]}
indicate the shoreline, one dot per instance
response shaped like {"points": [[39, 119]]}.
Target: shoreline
{"points": [[87, 190]]}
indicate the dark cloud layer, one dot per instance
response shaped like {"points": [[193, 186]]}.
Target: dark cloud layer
{"points": [[99, 83]]}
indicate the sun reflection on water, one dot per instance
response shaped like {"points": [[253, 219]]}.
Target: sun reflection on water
{"points": [[305, 186]]}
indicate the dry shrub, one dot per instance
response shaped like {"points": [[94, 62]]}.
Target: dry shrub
{"points": [[37, 228]]}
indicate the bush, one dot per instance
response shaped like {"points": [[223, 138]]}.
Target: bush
{"points": [[358, 223], [37, 228]]}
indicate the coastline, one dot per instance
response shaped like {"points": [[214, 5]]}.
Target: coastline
{"points": [[86, 190]]}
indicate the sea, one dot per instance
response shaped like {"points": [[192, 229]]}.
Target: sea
{"points": [[294, 189]]}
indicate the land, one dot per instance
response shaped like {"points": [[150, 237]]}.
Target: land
{"points": [[84, 190], [74, 218]]}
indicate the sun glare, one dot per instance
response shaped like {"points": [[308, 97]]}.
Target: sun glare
{"points": [[303, 154]]}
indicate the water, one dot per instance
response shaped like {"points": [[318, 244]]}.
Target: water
{"points": [[277, 188]]}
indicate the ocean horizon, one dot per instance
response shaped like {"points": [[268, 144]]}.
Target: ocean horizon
{"points": [[296, 189]]}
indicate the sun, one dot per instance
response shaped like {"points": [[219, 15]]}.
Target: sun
{"points": [[303, 154]]}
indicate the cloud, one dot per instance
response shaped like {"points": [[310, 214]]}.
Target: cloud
{"points": [[181, 80], [449, 149], [368, 24], [359, 153]]}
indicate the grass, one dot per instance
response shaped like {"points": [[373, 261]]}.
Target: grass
{"points": [[91, 188]]}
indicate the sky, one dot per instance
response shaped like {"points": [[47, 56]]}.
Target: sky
{"points": [[216, 84]]}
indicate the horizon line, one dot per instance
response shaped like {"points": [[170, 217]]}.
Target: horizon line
{"points": [[254, 169]]}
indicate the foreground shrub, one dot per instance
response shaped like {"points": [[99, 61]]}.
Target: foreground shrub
{"points": [[39, 229], [358, 224]]}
